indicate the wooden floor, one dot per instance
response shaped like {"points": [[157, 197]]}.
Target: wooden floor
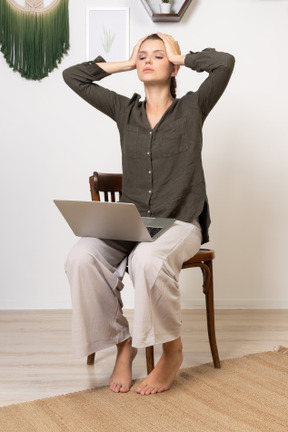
{"points": [[36, 361]]}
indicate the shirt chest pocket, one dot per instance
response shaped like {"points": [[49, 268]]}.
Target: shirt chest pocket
{"points": [[135, 142], [174, 138]]}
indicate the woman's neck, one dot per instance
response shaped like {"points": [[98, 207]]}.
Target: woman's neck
{"points": [[157, 103]]}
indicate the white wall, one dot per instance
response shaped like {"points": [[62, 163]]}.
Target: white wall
{"points": [[51, 141]]}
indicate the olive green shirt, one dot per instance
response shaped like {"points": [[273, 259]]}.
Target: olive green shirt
{"points": [[162, 167]]}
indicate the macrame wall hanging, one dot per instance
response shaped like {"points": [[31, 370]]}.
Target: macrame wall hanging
{"points": [[34, 37]]}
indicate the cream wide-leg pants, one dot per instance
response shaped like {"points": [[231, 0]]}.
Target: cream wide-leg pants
{"points": [[95, 269]]}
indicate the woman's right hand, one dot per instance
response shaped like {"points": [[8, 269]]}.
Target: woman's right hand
{"points": [[134, 55], [123, 66]]}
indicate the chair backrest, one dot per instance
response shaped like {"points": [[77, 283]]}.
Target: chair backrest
{"points": [[106, 185]]}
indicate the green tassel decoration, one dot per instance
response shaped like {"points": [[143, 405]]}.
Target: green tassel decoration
{"points": [[34, 39]]}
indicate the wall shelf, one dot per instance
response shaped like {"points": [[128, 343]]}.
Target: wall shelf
{"points": [[166, 17]]}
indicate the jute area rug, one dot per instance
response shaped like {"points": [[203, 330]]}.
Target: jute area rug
{"points": [[247, 394]]}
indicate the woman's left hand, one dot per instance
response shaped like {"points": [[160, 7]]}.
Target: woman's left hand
{"points": [[172, 49]]}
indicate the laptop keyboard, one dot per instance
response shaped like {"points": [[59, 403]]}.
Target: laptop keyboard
{"points": [[153, 230]]}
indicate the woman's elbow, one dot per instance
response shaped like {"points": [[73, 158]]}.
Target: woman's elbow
{"points": [[230, 61], [66, 76]]}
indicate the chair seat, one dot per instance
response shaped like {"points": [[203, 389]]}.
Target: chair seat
{"points": [[201, 256]]}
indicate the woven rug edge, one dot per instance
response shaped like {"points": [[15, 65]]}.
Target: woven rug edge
{"points": [[280, 350]]}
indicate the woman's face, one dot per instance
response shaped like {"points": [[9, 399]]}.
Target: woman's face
{"points": [[152, 63]]}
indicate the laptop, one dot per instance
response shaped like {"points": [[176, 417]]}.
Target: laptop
{"points": [[106, 220]]}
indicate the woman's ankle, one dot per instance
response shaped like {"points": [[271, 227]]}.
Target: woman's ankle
{"points": [[174, 346]]}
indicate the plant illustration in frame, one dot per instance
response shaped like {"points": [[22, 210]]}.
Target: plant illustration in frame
{"points": [[107, 33]]}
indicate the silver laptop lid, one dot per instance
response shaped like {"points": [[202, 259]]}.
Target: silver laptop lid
{"points": [[105, 220]]}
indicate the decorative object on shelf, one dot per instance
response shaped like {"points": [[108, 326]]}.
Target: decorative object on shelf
{"points": [[180, 5], [34, 37], [107, 32], [165, 7]]}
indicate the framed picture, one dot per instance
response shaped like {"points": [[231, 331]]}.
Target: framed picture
{"points": [[107, 33]]}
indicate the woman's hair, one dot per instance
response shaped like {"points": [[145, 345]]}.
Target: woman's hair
{"points": [[173, 83]]}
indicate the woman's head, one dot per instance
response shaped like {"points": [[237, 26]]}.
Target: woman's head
{"points": [[153, 65]]}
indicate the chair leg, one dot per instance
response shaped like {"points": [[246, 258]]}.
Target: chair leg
{"points": [[149, 359], [90, 359], [209, 296]]}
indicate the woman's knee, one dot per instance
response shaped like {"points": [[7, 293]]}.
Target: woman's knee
{"points": [[80, 256], [143, 259]]}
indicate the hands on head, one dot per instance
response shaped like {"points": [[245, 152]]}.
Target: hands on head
{"points": [[171, 45], [172, 49]]}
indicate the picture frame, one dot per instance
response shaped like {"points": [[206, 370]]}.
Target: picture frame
{"points": [[107, 33]]}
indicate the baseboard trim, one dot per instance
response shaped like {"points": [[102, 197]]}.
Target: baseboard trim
{"points": [[248, 303], [22, 305], [187, 303]]}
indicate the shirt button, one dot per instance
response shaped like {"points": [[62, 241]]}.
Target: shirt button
{"points": [[150, 132], [149, 172], [150, 191], [148, 153]]}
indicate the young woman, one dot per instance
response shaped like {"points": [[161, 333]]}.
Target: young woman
{"points": [[161, 142]]}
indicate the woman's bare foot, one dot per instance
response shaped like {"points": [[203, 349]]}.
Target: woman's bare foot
{"points": [[162, 377], [121, 378]]}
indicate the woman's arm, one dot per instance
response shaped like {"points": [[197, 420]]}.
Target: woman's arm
{"points": [[83, 78], [219, 66]]}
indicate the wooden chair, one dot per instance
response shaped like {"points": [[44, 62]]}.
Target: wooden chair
{"points": [[110, 186]]}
